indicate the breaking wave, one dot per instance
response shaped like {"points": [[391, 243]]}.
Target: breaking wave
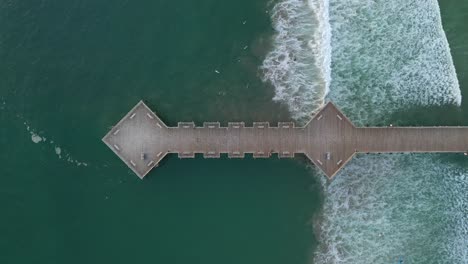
{"points": [[373, 58], [298, 66], [389, 56], [414, 208]]}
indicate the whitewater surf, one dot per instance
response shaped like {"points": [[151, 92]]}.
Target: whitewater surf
{"points": [[372, 59]]}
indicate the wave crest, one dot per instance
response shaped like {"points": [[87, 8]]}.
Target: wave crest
{"points": [[298, 66], [388, 56]]}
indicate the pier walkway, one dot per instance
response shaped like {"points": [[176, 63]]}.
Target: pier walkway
{"points": [[329, 139]]}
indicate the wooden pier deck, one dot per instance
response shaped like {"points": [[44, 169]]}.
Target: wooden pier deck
{"points": [[329, 139]]}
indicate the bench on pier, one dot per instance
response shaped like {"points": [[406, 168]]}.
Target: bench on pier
{"points": [[211, 124], [261, 154], [236, 154], [286, 154], [186, 154], [261, 125], [211, 154], [236, 125], [285, 125], [186, 125]]}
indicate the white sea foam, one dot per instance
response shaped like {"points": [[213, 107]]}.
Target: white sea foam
{"points": [[58, 151], [298, 66], [415, 207], [388, 56], [36, 138]]}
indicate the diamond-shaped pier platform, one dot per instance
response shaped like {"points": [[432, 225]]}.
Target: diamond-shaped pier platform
{"points": [[329, 140], [139, 139]]}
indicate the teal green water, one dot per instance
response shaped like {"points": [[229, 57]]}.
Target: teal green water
{"points": [[71, 70], [391, 65], [454, 16]]}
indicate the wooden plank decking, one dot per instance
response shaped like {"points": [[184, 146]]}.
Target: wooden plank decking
{"points": [[329, 140]]}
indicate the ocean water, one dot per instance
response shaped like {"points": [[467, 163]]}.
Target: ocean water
{"points": [[413, 206], [69, 71], [299, 64], [390, 63]]}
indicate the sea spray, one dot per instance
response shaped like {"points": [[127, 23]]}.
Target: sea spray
{"points": [[389, 56], [298, 66], [415, 207]]}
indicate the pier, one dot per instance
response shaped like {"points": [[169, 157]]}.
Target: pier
{"points": [[141, 139]]}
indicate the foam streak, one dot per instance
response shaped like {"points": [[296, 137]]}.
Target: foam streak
{"points": [[299, 64]]}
